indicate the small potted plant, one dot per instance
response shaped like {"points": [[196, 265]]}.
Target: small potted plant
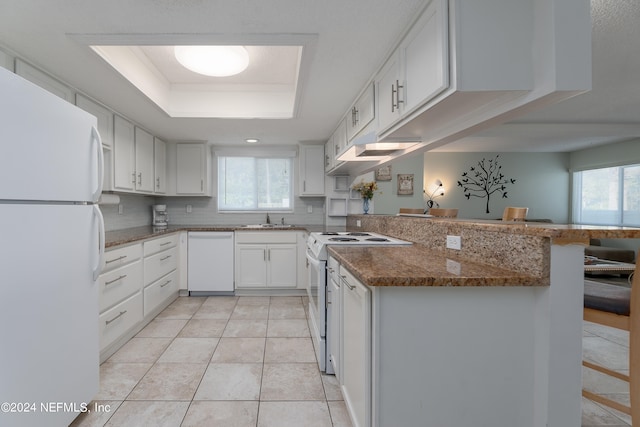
{"points": [[366, 190]]}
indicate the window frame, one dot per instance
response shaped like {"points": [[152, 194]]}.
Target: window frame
{"points": [[577, 213], [278, 154]]}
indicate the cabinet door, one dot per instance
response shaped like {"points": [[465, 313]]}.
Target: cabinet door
{"points": [[340, 140], [311, 170], [123, 155], [104, 116], [425, 52], [160, 166], [190, 169], [356, 351], [144, 161], [282, 270], [362, 113], [329, 158], [388, 83], [251, 266]]}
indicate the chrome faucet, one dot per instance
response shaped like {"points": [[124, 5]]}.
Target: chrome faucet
{"points": [[268, 219]]}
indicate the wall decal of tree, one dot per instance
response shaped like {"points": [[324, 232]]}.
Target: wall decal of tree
{"points": [[484, 180]]}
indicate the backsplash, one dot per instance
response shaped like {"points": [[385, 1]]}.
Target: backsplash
{"points": [[136, 212]]}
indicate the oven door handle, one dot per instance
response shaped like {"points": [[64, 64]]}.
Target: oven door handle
{"points": [[313, 260]]}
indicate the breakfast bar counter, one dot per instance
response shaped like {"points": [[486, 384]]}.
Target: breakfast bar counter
{"points": [[490, 334], [417, 266]]}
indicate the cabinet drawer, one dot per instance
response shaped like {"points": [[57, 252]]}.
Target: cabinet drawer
{"points": [[159, 265], [156, 245], [120, 256], [117, 321], [120, 283], [157, 292], [266, 237]]}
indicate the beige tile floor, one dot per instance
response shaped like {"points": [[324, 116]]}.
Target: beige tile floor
{"points": [[219, 361], [249, 361]]}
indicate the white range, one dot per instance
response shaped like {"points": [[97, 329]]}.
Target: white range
{"points": [[317, 288]]}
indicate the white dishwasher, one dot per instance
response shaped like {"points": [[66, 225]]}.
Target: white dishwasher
{"points": [[210, 262]]}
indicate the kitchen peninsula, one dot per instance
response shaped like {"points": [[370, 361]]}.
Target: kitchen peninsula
{"points": [[489, 335]]}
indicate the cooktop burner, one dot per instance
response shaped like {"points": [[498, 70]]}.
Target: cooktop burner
{"points": [[330, 233], [358, 233], [377, 239], [343, 239]]}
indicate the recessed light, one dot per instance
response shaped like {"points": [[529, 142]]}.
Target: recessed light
{"points": [[215, 61], [252, 140]]}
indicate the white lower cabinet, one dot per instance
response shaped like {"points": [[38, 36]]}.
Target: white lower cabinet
{"points": [[158, 292], [137, 282], [356, 348], [266, 259], [119, 320]]}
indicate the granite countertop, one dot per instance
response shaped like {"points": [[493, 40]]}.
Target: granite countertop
{"points": [[418, 266], [134, 234]]}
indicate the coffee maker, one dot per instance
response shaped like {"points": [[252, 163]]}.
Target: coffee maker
{"points": [[160, 215]]}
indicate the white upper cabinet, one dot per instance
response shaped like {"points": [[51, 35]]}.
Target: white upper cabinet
{"points": [[426, 57], [311, 163], [192, 176], [123, 155], [361, 114], [144, 161], [104, 116], [160, 166], [418, 70]]}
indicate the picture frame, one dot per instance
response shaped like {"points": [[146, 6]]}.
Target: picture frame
{"points": [[383, 173], [405, 184]]}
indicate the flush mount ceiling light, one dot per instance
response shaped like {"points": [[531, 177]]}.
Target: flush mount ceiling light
{"points": [[215, 61], [252, 140]]}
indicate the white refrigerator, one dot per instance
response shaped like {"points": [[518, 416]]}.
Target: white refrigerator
{"points": [[51, 252]]}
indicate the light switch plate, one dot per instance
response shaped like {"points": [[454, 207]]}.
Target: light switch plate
{"points": [[454, 242], [189, 208]]}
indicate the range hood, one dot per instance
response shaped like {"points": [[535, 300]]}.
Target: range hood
{"points": [[367, 148]]}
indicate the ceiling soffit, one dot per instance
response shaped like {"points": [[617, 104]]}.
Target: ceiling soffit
{"points": [[269, 88]]}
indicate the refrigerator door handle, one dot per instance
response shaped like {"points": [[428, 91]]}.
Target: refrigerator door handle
{"points": [[95, 136], [100, 262]]}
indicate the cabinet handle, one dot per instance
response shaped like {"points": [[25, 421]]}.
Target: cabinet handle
{"points": [[268, 254], [164, 258], [331, 270], [165, 243], [304, 185], [165, 283], [134, 177], [202, 185], [122, 313], [344, 280], [115, 280], [109, 261], [355, 118], [158, 182], [393, 103], [140, 178]]}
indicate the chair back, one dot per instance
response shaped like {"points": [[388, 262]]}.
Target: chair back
{"points": [[411, 211], [514, 214], [444, 213]]}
